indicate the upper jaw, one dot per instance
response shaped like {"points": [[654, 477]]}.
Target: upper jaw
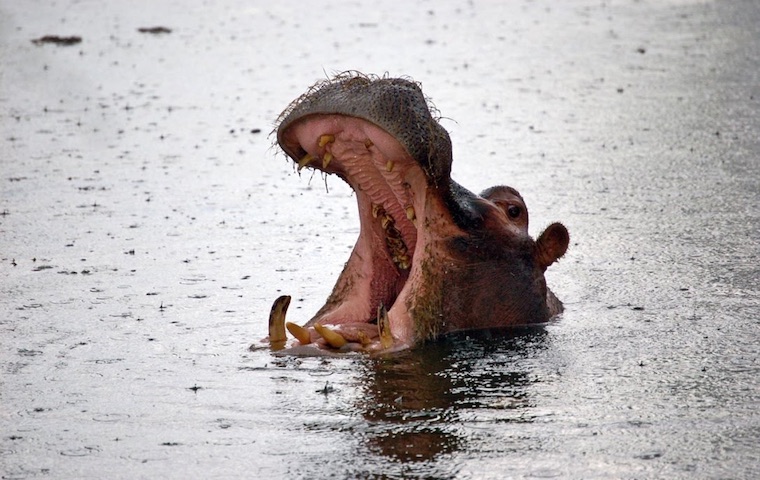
{"points": [[394, 105]]}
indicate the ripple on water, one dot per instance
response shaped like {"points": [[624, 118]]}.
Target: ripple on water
{"points": [[231, 442], [7, 451], [149, 456], [23, 352], [20, 473], [649, 455], [193, 280], [111, 417], [544, 473], [83, 451]]}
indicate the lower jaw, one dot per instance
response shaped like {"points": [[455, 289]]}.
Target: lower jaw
{"points": [[344, 337]]}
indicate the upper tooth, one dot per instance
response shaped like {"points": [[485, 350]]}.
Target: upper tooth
{"points": [[304, 161], [410, 213], [325, 139], [395, 243], [386, 221], [389, 166], [377, 210], [326, 159]]}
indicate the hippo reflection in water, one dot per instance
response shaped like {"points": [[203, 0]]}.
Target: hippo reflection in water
{"points": [[432, 257]]}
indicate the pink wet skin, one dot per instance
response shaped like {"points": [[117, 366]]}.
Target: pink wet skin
{"points": [[359, 152]]}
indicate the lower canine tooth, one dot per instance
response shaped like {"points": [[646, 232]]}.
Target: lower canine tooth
{"points": [[333, 338], [326, 159], [301, 334], [277, 320], [364, 339], [325, 139], [304, 161], [384, 327]]}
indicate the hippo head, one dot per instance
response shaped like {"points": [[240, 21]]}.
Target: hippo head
{"points": [[431, 257]]}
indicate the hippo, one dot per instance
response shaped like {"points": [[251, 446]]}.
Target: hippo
{"points": [[432, 257]]}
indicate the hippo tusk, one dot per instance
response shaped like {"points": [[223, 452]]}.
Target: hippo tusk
{"points": [[384, 327], [277, 335], [333, 338], [301, 334]]}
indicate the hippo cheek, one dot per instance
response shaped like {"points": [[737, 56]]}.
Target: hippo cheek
{"points": [[479, 280]]}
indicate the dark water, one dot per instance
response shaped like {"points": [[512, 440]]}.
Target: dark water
{"points": [[146, 226]]}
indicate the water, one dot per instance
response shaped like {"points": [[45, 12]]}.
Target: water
{"points": [[146, 226]]}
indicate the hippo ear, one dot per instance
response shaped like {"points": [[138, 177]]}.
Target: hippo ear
{"points": [[552, 244]]}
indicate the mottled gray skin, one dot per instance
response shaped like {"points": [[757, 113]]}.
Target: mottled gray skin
{"points": [[396, 105], [475, 265]]}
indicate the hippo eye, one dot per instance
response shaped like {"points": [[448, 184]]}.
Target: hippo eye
{"points": [[514, 211]]}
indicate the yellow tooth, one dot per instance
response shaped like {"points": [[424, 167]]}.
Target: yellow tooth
{"points": [[410, 213], [326, 159], [364, 339], [384, 327], [403, 263], [389, 166], [395, 244], [277, 321], [386, 221], [333, 338], [377, 210], [304, 161], [325, 139], [301, 334]]}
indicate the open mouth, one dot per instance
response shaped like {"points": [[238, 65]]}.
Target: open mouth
{"points": [[390, 189], [378, 135]]}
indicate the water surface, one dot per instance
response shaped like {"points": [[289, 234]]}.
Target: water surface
{"points": [[146, 226]]}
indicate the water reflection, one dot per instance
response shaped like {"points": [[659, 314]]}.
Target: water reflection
{"points": [[416, 403]]}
